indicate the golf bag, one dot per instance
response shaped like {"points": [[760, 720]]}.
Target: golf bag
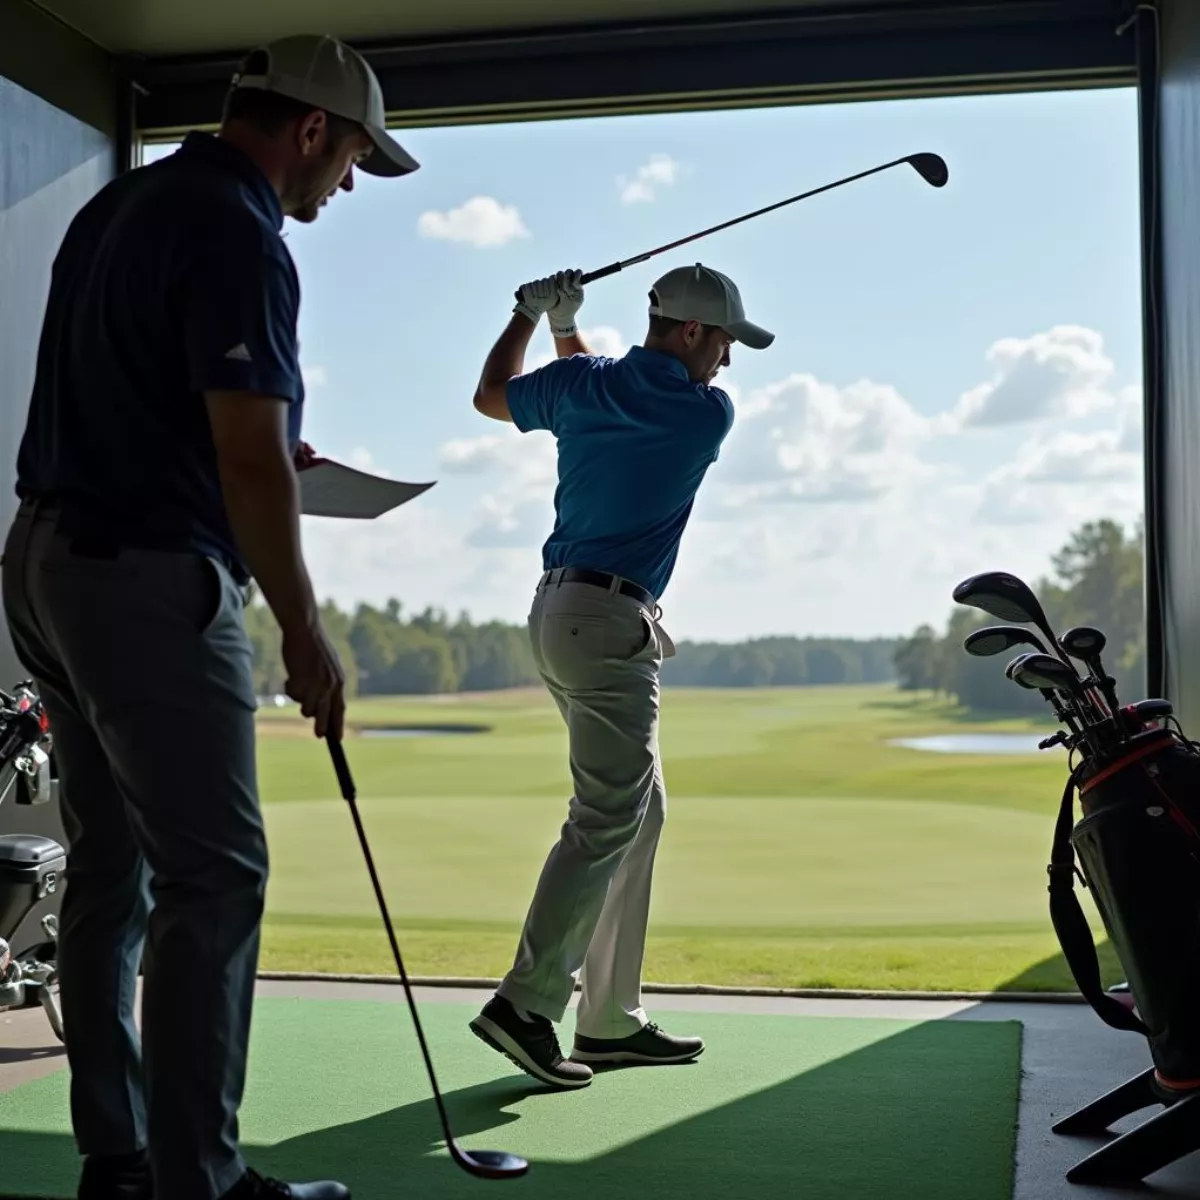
{"points": [[31, 866], [1138, 844]]}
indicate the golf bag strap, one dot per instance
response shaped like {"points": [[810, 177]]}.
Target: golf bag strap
{"points": [[1070, 924]]}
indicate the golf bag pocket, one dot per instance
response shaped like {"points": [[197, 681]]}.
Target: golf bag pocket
{"points": [[1139, 853]]}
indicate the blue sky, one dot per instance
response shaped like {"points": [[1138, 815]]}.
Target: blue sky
{"points": [[954, 385]]}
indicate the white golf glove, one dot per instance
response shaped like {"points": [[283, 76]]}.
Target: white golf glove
{"points": [[537, 297], [570, 300]]}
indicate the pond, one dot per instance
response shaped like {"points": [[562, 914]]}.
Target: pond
{"points": [[409, 731], [976, 743]]}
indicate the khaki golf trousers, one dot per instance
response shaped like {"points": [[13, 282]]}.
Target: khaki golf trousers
{"points": [[599, 653]]}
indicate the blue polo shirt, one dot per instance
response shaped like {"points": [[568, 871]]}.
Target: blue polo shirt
{"points": [[635, 439], [173, 280]]}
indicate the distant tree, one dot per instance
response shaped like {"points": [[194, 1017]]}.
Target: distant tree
{"points": [[916, 661]]}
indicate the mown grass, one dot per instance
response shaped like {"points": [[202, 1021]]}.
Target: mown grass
{"points": [[801, 849]]}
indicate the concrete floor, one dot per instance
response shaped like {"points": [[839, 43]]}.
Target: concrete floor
{"points": [[1069, 1058]]}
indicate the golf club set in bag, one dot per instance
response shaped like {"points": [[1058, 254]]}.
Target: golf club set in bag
{"points": [[1138, 845], [30, 866]]}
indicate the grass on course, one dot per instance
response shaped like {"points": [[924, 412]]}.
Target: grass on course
{"points": [[801, 849]]}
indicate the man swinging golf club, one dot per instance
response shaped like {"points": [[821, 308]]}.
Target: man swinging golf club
{"points": [[636, 436]]}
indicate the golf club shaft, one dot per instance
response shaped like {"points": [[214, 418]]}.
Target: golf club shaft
{"points": [[346, 782], [613, 268], [1094, 698]]}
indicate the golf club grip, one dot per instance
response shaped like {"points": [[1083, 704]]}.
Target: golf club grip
{"points": [[611, 269], [341, 768]]}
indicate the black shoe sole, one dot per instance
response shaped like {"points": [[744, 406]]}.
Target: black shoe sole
{"points": [[493, 1035], [632, 1058]]}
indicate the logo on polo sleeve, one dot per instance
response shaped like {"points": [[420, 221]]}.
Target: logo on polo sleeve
{"points": [[239, 353]]}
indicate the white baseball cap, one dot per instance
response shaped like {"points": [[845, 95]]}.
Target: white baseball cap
{"points": [[701, 294], [329, 75]]}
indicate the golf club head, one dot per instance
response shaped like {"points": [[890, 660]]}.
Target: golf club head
{"points": [[1002, 595], [1046, 671], [931, 167], [1083, 642], [1016, 662], [1153, 710], [488, 1164], [995, 639]]}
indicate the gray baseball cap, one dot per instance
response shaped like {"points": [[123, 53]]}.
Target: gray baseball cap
{"points": [[701, 294], [329, 75]]}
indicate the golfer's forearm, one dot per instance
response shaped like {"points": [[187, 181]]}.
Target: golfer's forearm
{"points": [[566, 346], [507, 357], [262, 500]]}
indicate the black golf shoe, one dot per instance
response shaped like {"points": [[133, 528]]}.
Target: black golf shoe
{"points": [[531, 1045], [252, 1186], [116, 1177], [648, 1047]]}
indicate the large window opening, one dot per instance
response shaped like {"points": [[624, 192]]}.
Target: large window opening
{"points": [[853, 801]]}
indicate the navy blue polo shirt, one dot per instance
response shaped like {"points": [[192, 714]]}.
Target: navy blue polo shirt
{"points": [[635, 439], [173, 280]]}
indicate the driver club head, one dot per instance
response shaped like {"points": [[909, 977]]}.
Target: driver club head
{"points": [[488, 1164], [931, 167], [995, 639], [1001, 595]]}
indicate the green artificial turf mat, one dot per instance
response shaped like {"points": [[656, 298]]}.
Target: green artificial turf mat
{"points": [[778, 1106]]}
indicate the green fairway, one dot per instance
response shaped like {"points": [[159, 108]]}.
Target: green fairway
{"points": [[801, 850]]}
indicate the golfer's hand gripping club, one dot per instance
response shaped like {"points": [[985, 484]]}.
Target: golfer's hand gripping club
{"points": [[536, 298], [570, 301]]}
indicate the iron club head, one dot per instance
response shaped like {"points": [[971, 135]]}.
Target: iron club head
{"points": [[1046, 671], [931, 167], [995, 639]]}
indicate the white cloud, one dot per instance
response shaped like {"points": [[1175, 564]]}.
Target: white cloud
{"points": [[1062, 372], [603, 340], [833, 508], [482, 221], [363, 460], [517, 507], [801, 439], [660, 171], [314, 376]]}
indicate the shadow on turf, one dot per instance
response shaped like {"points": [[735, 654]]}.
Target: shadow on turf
{"points": [[1049, 974], [882, 1120]]}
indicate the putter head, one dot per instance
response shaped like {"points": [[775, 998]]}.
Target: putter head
{"points": [[1046, 671], [931, 167], [995, 639], [1002, 595], [1083, 641]]}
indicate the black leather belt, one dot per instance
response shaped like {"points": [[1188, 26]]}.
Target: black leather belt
{"points": [[605, 580]]}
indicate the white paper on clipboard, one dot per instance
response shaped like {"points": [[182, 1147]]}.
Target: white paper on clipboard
{"points": [[332, 489]]}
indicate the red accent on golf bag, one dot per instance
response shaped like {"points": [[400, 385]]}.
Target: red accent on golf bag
{"points": [[1139, 852]]}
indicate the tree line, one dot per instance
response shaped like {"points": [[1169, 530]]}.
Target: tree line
{"points": [[386, 652], [1095, 579]]}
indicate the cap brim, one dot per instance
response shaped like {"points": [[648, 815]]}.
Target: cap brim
{"points": [[750, 334], [390, 159]]}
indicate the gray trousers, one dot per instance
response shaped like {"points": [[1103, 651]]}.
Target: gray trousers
{"points": [[599, 653], [143, 663]]}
